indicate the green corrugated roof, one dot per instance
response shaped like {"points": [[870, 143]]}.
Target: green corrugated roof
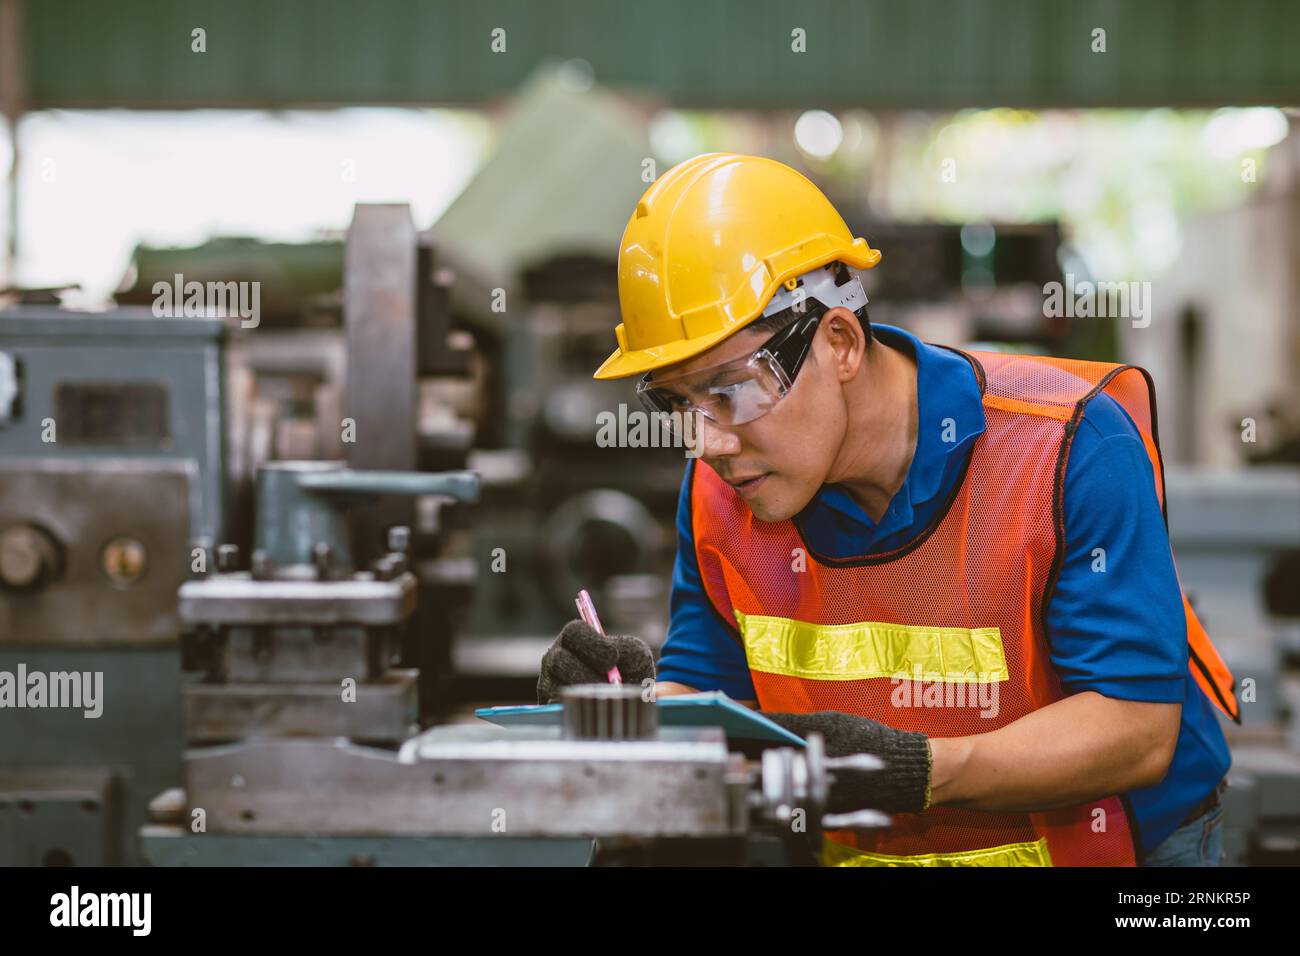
{"points": [[710, 53]]}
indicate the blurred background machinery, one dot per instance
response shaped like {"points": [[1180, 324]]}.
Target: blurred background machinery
{"points": [[437, 284]]}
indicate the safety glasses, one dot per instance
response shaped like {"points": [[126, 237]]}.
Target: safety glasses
{"points": [[738, 391]]}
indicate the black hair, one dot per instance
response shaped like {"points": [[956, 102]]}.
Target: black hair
{"points": [[779, 320]]}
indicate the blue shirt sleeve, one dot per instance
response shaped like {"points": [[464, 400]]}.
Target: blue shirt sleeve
{"points": [[1115, 622], [700, 651]]}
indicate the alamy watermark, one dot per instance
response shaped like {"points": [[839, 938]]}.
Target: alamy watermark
{"points": [[924, 690], [1098, 300], [133, 911], [193, 299], [641, 429], [83, 690]]}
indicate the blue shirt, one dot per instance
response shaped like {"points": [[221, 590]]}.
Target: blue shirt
{"points": [[1120, 633]]}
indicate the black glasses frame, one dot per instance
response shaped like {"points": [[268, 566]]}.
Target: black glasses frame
{"points": [[792, 344]]}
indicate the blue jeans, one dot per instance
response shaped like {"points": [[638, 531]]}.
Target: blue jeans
{"points": [[1197, 843]]}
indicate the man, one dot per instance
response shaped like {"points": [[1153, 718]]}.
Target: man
{"points": [[955, 561]]}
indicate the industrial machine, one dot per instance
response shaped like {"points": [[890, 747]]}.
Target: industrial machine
{"points": [[111, 474], [303, 746], [607, 787], [125, 457], [275, 641]]}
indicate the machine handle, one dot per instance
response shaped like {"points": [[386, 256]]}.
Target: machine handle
{"points": [[460, 485]]}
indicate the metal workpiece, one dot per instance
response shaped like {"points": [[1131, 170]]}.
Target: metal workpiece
{"points": [[472, 782], [78, 537], [240, 599], [608, 712], [302, 505], [380, 711]]}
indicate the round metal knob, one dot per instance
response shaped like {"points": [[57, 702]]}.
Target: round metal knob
{"points": [[28, 557]]}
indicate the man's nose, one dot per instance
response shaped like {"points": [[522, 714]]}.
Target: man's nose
{"points": [[717, 442]]}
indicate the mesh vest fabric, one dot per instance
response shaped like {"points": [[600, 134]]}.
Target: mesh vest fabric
{"points": [[927, 636]]}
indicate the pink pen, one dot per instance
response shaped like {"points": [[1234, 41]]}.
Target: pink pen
{"points": [[587, 610]]}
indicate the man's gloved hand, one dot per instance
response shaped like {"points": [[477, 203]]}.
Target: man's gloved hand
{"points": [[581, 656], [903, 786]]}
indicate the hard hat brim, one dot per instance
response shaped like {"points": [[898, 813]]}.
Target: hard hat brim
{"points": [[622, 364]]}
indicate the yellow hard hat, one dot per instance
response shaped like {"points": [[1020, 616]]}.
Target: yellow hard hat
{"points": [[708, 245]]}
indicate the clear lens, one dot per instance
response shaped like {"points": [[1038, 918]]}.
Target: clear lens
{"points": [[730, 394], [739, 401]]}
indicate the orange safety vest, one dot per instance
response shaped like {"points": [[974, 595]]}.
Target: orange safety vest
{"points": [[921, 638]]}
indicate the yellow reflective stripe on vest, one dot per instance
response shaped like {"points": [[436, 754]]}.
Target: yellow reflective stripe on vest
{"points": [[954, 655], [1012, 854]]}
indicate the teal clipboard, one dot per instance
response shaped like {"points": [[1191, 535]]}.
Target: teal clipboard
{"points": [[710, 709]]}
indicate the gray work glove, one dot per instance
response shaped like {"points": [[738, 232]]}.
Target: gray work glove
{"points": [[581, 656], [903, 786]]}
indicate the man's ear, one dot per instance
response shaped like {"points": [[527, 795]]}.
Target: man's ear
{"points": [[848, 341]]}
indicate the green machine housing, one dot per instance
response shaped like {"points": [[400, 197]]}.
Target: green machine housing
{"points": [[111, 472]]}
